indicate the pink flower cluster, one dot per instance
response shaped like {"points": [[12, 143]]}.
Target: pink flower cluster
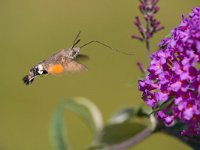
{"points": [[174, 75]]}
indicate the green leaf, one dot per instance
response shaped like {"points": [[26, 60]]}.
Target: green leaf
{"points": [[84, 108], [116, 133], [87, 111], [58, 139], [127, 114], [123, 115], [124, 128], [163, 105]]}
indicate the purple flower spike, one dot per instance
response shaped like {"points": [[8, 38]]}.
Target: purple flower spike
{"points": [[148, 9], [174, 73]]}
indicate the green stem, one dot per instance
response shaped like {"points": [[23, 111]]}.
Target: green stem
{"points": [[146, 38], [148, 48], [191, 141], [132, 141]]}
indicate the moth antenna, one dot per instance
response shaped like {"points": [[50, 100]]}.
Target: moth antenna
{"points": [[105, 46], [76, 39], [76, 43]]}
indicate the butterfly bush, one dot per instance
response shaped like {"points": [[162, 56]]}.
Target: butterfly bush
{"points": [[174, 76]]}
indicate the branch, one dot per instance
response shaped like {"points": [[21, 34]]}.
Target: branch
{"points": [[132, 141]]}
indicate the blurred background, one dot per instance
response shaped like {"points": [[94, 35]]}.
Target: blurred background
{"points": [[31, 30]]}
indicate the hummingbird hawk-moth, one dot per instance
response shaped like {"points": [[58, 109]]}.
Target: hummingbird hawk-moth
{"points": [[62, 62]]}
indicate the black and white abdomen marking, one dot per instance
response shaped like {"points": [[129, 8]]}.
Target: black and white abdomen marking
{"points": [[41, 70], [34, 71], [37, 70]]}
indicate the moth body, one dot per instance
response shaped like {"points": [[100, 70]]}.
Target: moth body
{"points": [[59, 63]]}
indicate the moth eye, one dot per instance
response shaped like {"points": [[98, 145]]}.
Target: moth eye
{"points": [[74, 53]]}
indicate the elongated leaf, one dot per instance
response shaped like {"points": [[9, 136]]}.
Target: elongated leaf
{"points": [[163, 105], [85, 109], [122, 115], [125, 129], [128, 113], [119, 132], [57, 130]]}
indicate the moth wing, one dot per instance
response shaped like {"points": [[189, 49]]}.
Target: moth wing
{"points": [[55, 57], [66, 67], [82, 57], [73, 67]]}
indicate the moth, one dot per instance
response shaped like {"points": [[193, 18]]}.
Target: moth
{"points": [[62, 62]]}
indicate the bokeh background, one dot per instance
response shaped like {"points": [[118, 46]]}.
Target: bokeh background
{"points": [[31, 30]]}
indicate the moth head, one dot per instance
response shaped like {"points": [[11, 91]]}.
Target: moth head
{"points": [[74, 52]]}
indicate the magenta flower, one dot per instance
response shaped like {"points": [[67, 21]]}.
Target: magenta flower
{"points": [[174, 73]]}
